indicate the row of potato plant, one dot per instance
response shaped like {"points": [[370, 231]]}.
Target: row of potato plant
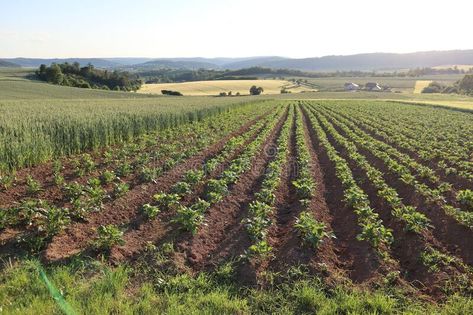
{"points": [[81, 199], [311, 231], [451, 148], [446, 157], [190, 217], [447, 161], [169, 146], [372, 229], [400, 169], [193, 177], [261, 208], [414, 221]]}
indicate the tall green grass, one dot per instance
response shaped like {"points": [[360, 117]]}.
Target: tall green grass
{"points": [[90, 287], [32, 132]]}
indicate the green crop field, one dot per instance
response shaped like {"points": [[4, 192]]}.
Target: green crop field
{"points": [[218, 86], [401, 84], [236, 158], [41, 121], [321, 202]]}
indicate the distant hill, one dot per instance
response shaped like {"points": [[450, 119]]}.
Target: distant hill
{"points": [[4, 63], [36, 62], [127, 61], [177, 64], [254, 62], [368, 62], [375, 61], [371, 61]]}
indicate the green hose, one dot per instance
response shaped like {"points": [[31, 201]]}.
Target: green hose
{"points": [[56, 295]]}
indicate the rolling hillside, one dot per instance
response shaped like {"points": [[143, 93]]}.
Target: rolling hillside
{"points": [[371, 61], [7, 64], [215, 87], [36, 62]]}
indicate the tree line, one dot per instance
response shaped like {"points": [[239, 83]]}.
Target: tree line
{"points": [[168, 75], [463, 86], [74, 75], [434, 71]]}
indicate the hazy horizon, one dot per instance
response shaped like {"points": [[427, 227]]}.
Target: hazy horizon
{"points": [[224, 29], [221, 57]]}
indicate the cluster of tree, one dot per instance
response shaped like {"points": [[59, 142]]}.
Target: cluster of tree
{"points": [[229, 93], [298, 73], [186, 75], [464, 86], [178, 75], [285, 91], [172, 93], [88, 77], [254, 90], [432, 71]]}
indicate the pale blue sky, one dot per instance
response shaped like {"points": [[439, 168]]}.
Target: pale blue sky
{"points": [[210, 28]]}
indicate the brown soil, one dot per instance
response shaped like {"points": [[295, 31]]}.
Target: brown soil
{"points": [[121, 211], [407, 245], [447, 231], [224, 237], [288, 248], [457, 182], [357, 257], [142, 232]]}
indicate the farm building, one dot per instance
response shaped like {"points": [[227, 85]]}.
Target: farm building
{"points": [[373, 86], [350, 86]]}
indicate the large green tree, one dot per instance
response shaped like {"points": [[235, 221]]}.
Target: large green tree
{"points": [[466, 84], [254, 90]]}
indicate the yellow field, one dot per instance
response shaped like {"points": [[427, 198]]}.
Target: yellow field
{"points": [[216, 87], [420, 85], [461, 67], [457, 104]]}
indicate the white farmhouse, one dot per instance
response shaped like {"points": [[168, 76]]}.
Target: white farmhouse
{"points": [[350, 86]]}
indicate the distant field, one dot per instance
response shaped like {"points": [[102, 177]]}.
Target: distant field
{"points": [[420, 85], [461, 67], [207, 156], [450, 100], [216, 87], [15, 85], [402, 84], [197, 216], [39, 121]]}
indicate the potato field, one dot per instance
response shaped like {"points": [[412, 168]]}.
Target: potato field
{"points": [[277, 206]]}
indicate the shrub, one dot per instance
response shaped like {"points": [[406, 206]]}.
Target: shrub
{"points": [[181, 188], [189, 218], [167, 201], [260, 250], [6, 181], [33, 186], [151, 212], [192, 177], [312, 232], [172, 93], [465, 197], [148, 174], [434, 87], [108, 177], [108, 236], [120, 189]]}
